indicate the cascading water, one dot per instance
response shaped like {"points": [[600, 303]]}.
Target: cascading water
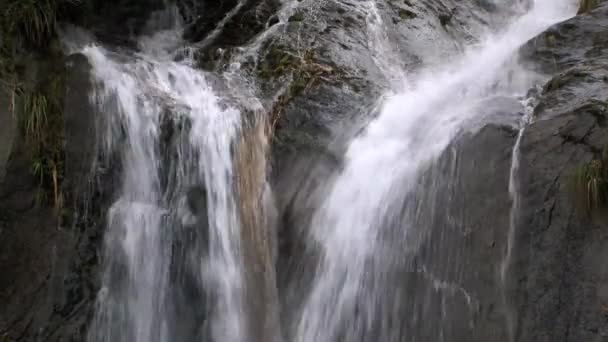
{"points": [[382, 168], [172, 261]]}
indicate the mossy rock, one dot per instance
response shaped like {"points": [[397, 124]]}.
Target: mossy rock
{"points": [[406, 14], [277, 61], [297, 17], [561, 80]]}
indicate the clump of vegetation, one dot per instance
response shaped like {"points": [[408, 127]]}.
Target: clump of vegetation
{"points": [[27, 35], [41, 124], [406, 14], [277, 62], [297, 17], [589, 185], [31, 20], [302, 70], [586, 6]]}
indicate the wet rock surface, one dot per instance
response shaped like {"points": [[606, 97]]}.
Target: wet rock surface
{"points": [[554, 286], [325, 72], [560, 273], [48, 259]]}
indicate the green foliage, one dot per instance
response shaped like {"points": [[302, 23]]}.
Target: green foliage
{"points": [[35, 116], [277, 62], [589, 185], [31, 20], [26, 26], [586, 6], [41, 125], [302, 71], [29, 74], [297, 17]]}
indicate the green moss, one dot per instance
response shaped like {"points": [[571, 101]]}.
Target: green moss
{"points": [[40, 120], [297, 17], [406, 14], [550, 39], [563, 79], [277, 62], [304, 72]]}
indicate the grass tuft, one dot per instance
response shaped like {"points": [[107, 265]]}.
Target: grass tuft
{"points": [[589, 185], [32, 20], [35, 117], [41, 125], [31, 73]]}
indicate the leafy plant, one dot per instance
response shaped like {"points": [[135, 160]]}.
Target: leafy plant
{"points": [[589, 184]]}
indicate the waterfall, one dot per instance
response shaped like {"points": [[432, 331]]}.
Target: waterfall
{"points": [[381, 171], [173, 266], [175, 252]]}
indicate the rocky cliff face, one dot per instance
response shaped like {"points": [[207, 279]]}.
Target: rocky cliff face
{"points": [[561, 278], [49, 258], [318, 76]]}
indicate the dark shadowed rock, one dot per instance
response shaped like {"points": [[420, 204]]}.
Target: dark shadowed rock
{"points": [[8, 131], [560, 273], [48, 259]]}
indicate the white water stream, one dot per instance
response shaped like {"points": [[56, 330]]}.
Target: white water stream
{"points": [[142, 97], [413, 128]]}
